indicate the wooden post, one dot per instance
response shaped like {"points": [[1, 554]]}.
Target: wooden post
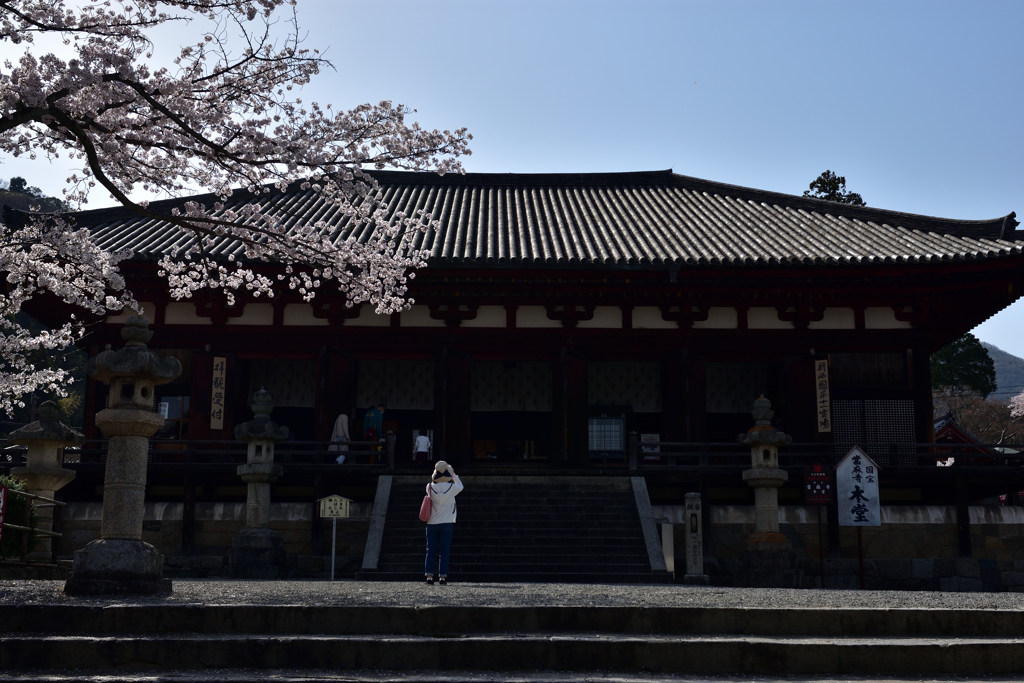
{"points": [[26, 523], [860, 558], [316, 545], [821, 548]]}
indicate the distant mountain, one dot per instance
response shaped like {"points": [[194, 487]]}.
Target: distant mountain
{"points": [[1009, 372]]}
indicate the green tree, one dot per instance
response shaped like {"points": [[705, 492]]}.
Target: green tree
{"points": [[832, 188], [963, 366], [20, 195]]}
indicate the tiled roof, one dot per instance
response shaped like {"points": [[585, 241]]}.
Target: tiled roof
{"points": [[634, 220]]}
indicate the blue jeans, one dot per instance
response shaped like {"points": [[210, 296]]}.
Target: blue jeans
{"points": [[439, 541]]}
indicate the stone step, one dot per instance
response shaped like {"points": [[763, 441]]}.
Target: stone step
{"points": [[100, 619], [580, 651]]}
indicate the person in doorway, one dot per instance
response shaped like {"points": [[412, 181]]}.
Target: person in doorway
{"points": [[421, 449], [443, 487], [373, 423], [340, 434]]}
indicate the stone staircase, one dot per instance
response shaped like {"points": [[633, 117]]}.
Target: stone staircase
{"points": [[527, 529], [153, 642]]}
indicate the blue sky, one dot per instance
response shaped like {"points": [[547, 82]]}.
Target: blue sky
{"points": [[916, 103]]}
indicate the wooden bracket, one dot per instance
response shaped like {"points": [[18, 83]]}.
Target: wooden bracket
{"points": [[801, 315], [570, 315], [453, 314], [686, 315]]}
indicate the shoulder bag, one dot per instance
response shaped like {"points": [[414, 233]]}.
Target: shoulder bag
{"points": [[425, 507]]}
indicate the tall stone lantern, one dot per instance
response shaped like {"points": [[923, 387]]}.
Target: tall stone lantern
{"points": [[768, 560], [120, 562], [257, 551], [43, 472]]}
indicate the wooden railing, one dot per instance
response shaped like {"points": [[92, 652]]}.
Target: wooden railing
{"points": [[374, 454], [689, 455], [638, 456], [25, 528]]}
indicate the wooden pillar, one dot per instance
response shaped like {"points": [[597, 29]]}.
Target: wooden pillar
{"points": [[459, 429], [452, 436], [570, 408], [674, 398], [440, 408], [336, 389], [919, 363], [696, 400], [801, 401]]}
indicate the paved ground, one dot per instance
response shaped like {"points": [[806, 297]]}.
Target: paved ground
{"points": [[225, 592], [285, 676]]}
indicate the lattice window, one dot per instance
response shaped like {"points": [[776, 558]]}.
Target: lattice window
{"points": [[882, 427], [607, 434]]}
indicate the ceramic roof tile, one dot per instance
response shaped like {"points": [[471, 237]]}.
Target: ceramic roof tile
{"points": [[637, 220]]}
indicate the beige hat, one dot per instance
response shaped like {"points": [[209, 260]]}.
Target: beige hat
{"points": [[441, 472]]}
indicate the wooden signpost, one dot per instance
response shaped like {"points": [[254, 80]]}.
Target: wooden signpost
{"points": [[334, 507], [819, 489], [857, 485]]}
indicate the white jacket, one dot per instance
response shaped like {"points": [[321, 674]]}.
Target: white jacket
{"points": [[442, 500]]}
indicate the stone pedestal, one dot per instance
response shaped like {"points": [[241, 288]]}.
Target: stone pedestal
{"points": [[120, 562], [43, 473], [257, 552], [768, 560]]}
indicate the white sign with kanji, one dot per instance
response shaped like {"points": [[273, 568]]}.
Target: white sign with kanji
{"points": [[334, 506], [857, 490]]}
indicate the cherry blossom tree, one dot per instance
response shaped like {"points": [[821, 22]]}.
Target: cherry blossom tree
{"points": [[224, 115], [1017, 405]]}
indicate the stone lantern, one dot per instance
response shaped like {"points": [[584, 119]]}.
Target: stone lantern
{"points": [[120, 562], [257, 552], [43, 472], [768, 560]]}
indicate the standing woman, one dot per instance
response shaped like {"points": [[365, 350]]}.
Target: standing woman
{"points": [[443, 487]]}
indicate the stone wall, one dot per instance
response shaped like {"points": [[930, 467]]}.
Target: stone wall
{"points": [[216, 524], [915, 548]]}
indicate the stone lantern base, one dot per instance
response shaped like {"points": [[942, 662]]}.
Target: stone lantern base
{"points": [[257, 554], [769, 562], [117, 567]]}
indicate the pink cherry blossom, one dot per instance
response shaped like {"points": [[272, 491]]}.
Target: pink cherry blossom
{"points": [[223, 116]]}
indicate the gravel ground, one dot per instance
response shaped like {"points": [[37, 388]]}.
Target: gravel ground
{"points": [[225, 592]]}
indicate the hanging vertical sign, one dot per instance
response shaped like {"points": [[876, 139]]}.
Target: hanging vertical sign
{"points": [[857, 490], [822, 399], [217, 401], [3, 509]]}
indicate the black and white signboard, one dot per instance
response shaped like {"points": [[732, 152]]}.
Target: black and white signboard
{"points": [[857, 490]]}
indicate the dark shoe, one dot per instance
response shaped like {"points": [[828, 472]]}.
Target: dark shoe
{"points": [[442, 581], [430, 581]]}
